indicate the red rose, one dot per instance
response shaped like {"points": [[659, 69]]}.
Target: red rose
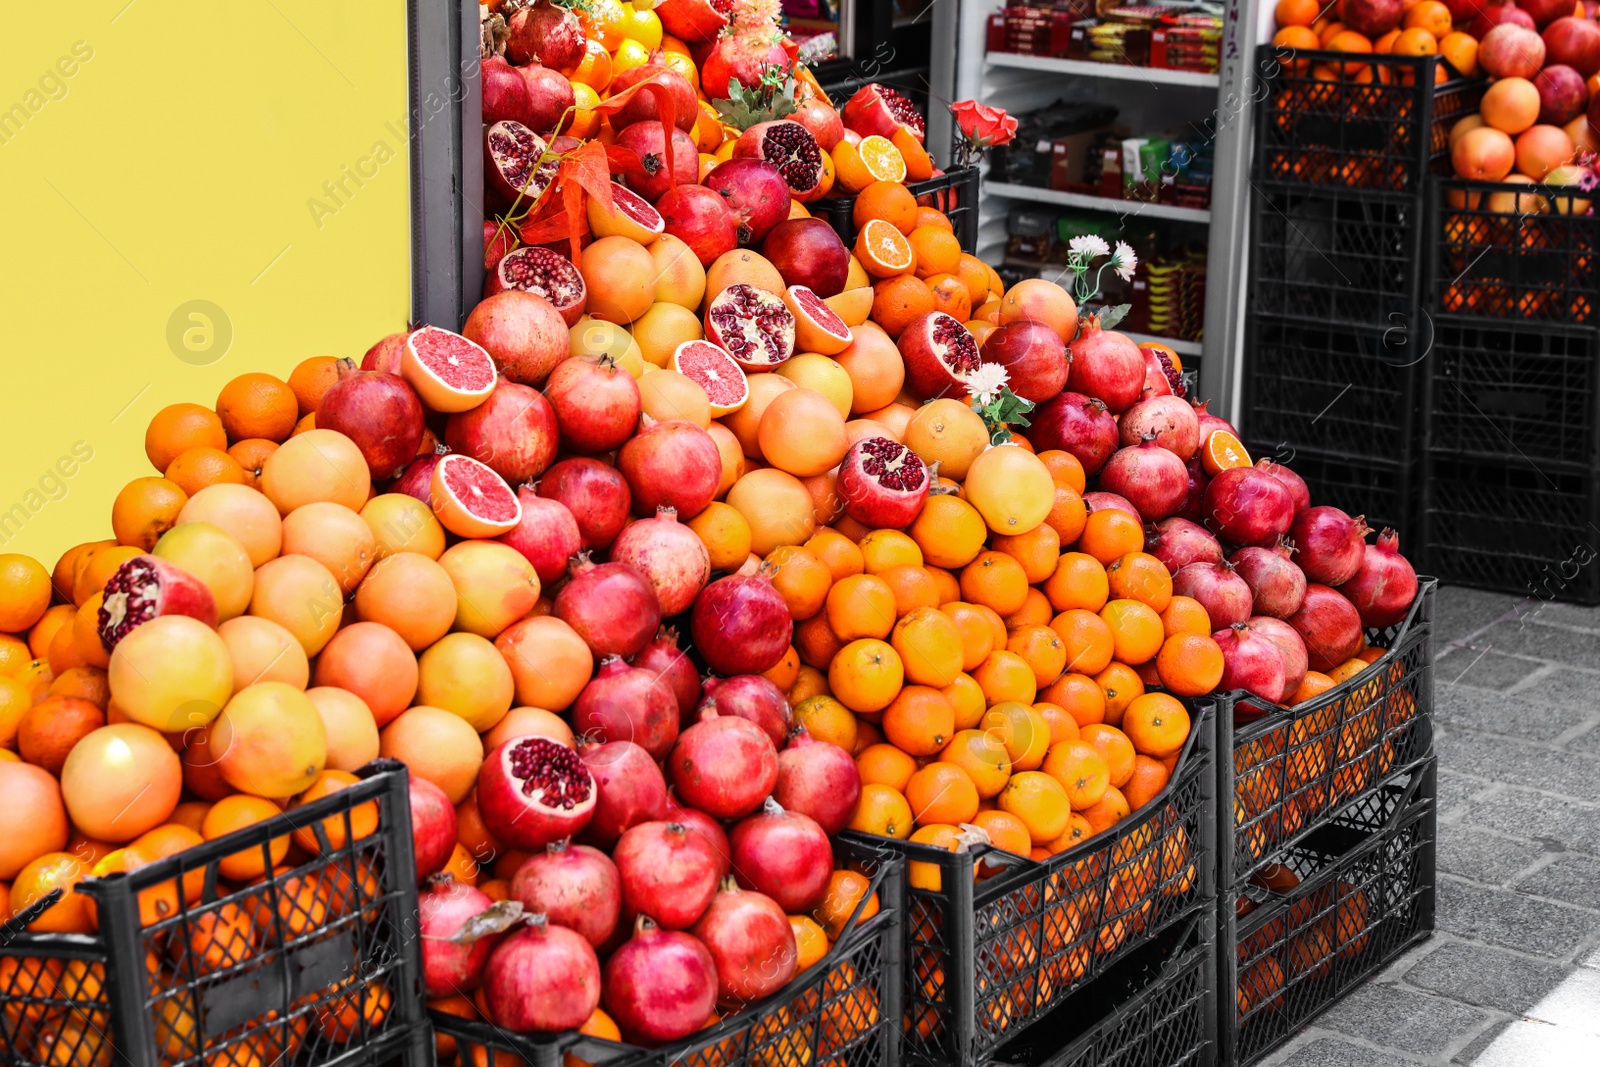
{"points": [[982, 125]]}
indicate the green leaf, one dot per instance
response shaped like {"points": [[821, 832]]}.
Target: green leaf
{"points": [[1113, 315]]}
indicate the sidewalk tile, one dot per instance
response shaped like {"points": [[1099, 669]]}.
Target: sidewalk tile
{"points": [[1471, 853], [1487, 977], [1399, 1018], [1573, 878], [1511, 920]]}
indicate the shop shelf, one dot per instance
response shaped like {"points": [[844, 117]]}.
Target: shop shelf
{"points": [[1117, 71], [955, 193], [1129, 208]]}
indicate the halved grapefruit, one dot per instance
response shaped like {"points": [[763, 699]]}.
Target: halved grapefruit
{"points": [[817, 327], [714, 370], [852, 305], [630, 216], [471, 500], [449, 372]]}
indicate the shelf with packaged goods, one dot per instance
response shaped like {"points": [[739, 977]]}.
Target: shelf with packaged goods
{"points": [[1092, 69], [1132, 208]]}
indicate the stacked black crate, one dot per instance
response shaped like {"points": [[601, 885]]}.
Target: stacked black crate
{"points": [[1335, 324], [1511, 489]]}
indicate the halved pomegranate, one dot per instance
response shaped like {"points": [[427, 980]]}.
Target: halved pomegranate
{"points": [[544, 273], [630, 216], [754, 326], [939, 353], [516, 161], [532, 791], [788, 146], [877, 109], [882, 483], [817, 327], [146, 587]]}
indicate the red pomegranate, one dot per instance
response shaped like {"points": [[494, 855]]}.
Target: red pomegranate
{"points": [[1329, 543], [610, 605], [1224, 595], [1511, 52], [1152, 479], [444, 905], [670, 555], [752, 325], [505, 94], [882, 483], [1563, 95], [723, 765], [498, 242], [673, 464], [595, 494], [532, 791], [741, 624], [1277, 585], [1250, 662], [701, 219], [433, 826], [751, 942], [1102, 500], [783, 854], [1372, 18], [1171, 420], [742, 57], [752, 697], [514, 432], [939, 353], [672, 665], [642, 106], [379, 412], [878, 109], [1178, 542], [623, 703], [823, 121], [1210, 423], [1491, 15], [1291, 481], [1384, 585], [1194, 508], [148, 587], [574, 886], [542, 978], [1033, 356], [755, 192], [1293, 650], [416, 478], [546, 535], [647, 174], [1107, 365], [1077, 424], [524, 334], [385, 355], [700, 823], [1161, 378], [1247, 506], [807, 252], [518, 166], [550, 97], [545, 32], [629, 789], [668, 872], [1573, 42], [1546, 12], [661, 985], [818, 779], [1330, 626]]}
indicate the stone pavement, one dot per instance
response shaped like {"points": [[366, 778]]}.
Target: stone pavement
{"points": [[1511, 978]]}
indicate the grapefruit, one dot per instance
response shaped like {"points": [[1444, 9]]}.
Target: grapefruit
{"points": [[630, 215], [375, 664], [352, 733], [33, 820], [211, 555], [263, 651], [316, 465], [471, 500], [171, 674], [242, 513], [465, 675], [449, 372], [817, 326], [495, 586], [436, 745], [714, 370], [121, 780], [269, 741]]}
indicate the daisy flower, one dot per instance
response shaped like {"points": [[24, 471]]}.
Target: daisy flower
{"points": [[985, 382], [1089, 246], [1123, 261]]}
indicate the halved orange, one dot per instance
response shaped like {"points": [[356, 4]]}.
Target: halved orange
{"points": [[1221, 451], [882, 159], [883, 250]]}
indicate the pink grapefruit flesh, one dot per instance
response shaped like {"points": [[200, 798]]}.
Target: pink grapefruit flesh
{"points": [[714, 370], [471, 500], [449, 372], [817, 327]]}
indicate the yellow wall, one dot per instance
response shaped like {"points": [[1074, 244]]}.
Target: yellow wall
{"points": [[156, 153]]}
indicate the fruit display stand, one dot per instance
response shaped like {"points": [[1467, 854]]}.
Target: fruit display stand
{"points": [[315, 964], [987, 958], [955, 193]]}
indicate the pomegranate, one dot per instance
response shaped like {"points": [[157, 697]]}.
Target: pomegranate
{"points": [[1033, 356], [499, 241], [882, 483], [596, 404], [1373, 18], [1289, 645], [542, 978], [1330, 544], [1384, 585], [818, 779], [532, 791], [546, 535], [629, 789], [939, 352], [1250, 662], [1330, 626], [416, 478], [701, 219], [1510, 51], [1106, 364], [385, 355], [524, 334], [623, 703], [595, 494], [1573, 42], [1194, 504], [1077, 424], [741, 624], [379, 412], [750, 941], [700, 823], [667, 871], [807, 252], [1247, 506], [642, 107], [1178, 542], [673, 464], [661, 985], [1563, 96], [610, 605], [1491, 15], [514, 432], [1170, 419], [1225, 596], [1161, 378], [148, 587], [752, 325], [1210, 423], [783, 854], [518, 167], [444, 906], [755, 192], [550, 97], [823, 121], [543, 273], [545, 32], [1546, 12], [1101, 500], [668, 553], [505, 94], [877, 109], [694, 21], [1277, 585], [1291, 481], [646, 172], [752, 697], [672, 665], [723, 765], [433, 826], [743, 55], [1153, 480], [790, 148]]}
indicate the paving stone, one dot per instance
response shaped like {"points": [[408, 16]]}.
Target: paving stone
{"points": [[1519, 714], [1526, 814], [1456, 792], [1523, 637], [1458, 611], [1471, 853], [1502, 759], [1474, 1049], [1563, 614], [1400, 1018], [1487, 977], [1488, 670], [1512, 920], [1566, 688], [1329, 1050], [1572, 878]]}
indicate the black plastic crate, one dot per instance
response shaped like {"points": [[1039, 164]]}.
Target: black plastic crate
{"points": [[1527, 391], [1284, 771], [841, 1011], [955, 193], [1379, 489], [1382, 128], [1157, 1008], [1496, 255], [318, 964], [1336, 256], [1516, 527], [1366, 895], [984, 959]]}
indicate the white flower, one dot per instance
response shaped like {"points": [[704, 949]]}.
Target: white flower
{"points": [[1088, 245], [985, 382], [1123, 261]]}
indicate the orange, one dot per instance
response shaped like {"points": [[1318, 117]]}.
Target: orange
{"points": [[919, 165], [919, 720], [883, 250], [889, 201], [15, 655], [1222, 451], [1156, 724], [235, 813], [802, 580], [977, 636], [942, 792], [1297, 12], [882, 810], [930, 646], [1115, 748], [1005, 830], [1061, 722], [258, 405], [1327, 30], [862, 605], [1022, 730], [1067, 514], [1189, 664], [997, 625], [24, 592], [1120, 683], [887, 765], [913, 588], [882, 549], [177, 428], [1429, 15], [900, 301], [1081, 770], [1136, 631], [846, 889], [947, 585], [1110, 533], [72, 913], [809, 682], [1064, 468], [1042, 649], [1005, 676], [1297, 38], [949, 531], [252, 453], [1078, 831], [1350, 41], [1079, 581], [1415, 42], [1087, 640], [726, 534], [995, 580], [866, 675], [1111, 809], [950, 296], [196, 468], [1461, 51], [936, 251], [1185, 615], [811, 941], [1348, 669], [362, 819], [1039, 801], [969, 269], [982, 755], [44, 632], [1035, 611], [1313, 685], [922, 874], [966, 696], [836, 551], [881, 158], [816, 642], [1037, 550], [1149, 778], [1140, 576], [827, 720]]}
